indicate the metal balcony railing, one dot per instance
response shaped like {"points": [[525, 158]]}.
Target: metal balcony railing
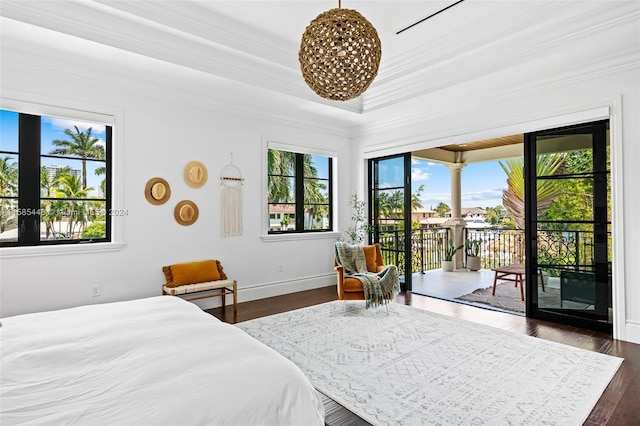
{"points": [[499, 247]]}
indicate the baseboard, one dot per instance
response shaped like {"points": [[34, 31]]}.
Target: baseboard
{"points": [[632, 331], [278, 288]]}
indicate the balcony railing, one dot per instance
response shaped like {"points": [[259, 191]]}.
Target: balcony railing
{"points": [[499, 247]]}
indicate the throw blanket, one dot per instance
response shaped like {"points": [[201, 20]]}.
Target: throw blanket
{"points": [[378, 287]]}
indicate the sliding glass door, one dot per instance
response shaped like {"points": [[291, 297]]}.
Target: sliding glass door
{"points": [[390, 211], [568, 232]]}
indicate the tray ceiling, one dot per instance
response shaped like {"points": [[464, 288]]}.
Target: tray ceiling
{"points": [[254, 44]]}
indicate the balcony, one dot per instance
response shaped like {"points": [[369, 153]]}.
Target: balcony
{"points": [[560, 252]]}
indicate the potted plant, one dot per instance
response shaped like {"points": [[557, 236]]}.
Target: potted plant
{"points": [[472, 250], [449, 252], [357, 232]]}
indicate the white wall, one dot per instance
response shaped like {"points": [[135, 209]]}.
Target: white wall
{"points": [[169, 120], [162, 131], [493, 114]]}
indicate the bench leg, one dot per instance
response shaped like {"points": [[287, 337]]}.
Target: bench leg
{"points": [[235, 296]]}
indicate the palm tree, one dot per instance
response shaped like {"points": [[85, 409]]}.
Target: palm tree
{"points": [[83, 145], [70, 188], [547, 190], [442, 209], [280, 165], [47, 188], [8, 187], [415, 198], [8, 176], [103, 185]]}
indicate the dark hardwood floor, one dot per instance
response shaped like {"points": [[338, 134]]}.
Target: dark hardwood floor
{"points": [[618, 405]]}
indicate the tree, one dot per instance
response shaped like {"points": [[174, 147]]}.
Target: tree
{"points": [[70, 188], [575, 201], [415, 198], [280, 164], [442, 209], [547, 190], [49, 188], [8, 187], [495, 215], [82, 145], [314, 199], [103, 184], [95, 230], [281, 171]]}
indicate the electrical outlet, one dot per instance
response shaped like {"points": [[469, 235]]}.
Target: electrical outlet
{"points": [[280, 267], [95, 290]]}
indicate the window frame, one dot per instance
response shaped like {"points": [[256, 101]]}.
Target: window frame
{"points": [[267, 234], [113, 197]]}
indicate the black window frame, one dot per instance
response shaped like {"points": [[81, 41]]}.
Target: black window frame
{"points": [[29, 185], [299, 203]]}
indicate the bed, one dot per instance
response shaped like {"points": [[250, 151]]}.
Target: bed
{"points": [[153, 361]]}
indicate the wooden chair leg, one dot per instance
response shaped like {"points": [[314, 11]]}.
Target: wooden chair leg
{"points": [[519, 279]]}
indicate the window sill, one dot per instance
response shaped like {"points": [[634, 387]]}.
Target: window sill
{"points": [[302, 236], [63, 249]]}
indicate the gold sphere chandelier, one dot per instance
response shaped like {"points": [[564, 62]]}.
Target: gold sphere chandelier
{"points": [[339, 54]]}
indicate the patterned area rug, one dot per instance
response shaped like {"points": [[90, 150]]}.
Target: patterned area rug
{"points": [[508, 297], [415, 367]]}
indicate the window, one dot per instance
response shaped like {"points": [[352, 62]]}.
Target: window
{"points": [[299, 192], [55, 180]]}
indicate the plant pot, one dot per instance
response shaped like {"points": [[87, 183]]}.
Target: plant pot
{"points": [[447, 265], [473, 263]]}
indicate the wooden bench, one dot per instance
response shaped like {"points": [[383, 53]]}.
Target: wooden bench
{"points": [[206, 289]]}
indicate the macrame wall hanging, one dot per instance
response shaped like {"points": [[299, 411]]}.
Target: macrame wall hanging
{"points": [[231, 182]]}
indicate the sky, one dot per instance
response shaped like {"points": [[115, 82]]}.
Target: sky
{"points": [[53, 128], [482, 183]]}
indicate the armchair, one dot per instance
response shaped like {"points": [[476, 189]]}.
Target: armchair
{"points": [[351, 288]]}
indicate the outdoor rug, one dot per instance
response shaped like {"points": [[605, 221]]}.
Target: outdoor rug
{"points": [[508, 297], [416, 367]]}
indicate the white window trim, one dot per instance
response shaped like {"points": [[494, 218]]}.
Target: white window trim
{"points": [[271, 142], [81, 111]]}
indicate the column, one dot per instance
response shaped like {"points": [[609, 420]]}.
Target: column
{"points": [[456, 223]]}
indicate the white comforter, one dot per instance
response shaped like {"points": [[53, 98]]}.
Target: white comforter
{"points": [[156, 361]]}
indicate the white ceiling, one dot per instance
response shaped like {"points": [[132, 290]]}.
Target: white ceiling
{"points": [[253, 45]]}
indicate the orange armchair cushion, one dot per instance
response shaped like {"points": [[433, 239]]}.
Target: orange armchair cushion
{"points": [[371, 257]]}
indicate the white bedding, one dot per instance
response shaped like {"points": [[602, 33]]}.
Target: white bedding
{"points": [[155, 361]]}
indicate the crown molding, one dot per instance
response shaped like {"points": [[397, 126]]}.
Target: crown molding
{"points": [[196, 38], [430, 72], [208, 94], [441, 105]]}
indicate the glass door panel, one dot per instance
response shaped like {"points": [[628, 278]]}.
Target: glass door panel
{"points": [[390, 211], [569, 225]]}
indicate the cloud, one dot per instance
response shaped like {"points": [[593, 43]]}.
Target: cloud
{"points": [[488, 194], [63, 123], [419, 174]]}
